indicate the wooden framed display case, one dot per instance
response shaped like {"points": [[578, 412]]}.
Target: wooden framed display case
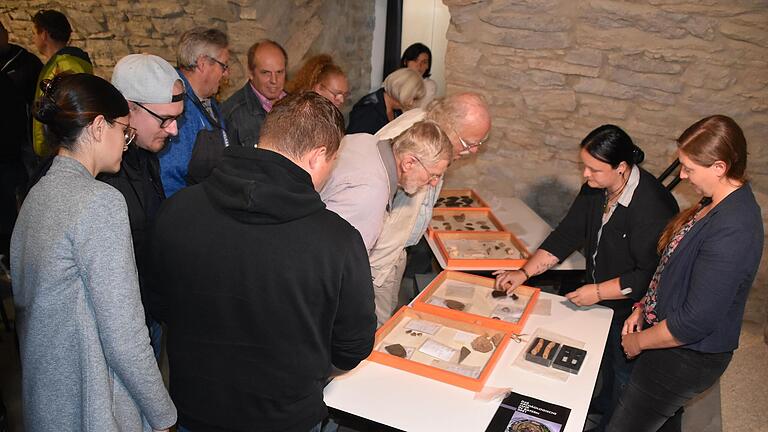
{"points": [[468, 219], [481, 249], [460, 198], [455, 294], [455, 351]]}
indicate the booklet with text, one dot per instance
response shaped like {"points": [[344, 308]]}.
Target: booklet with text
{"points": [[520, 413]]}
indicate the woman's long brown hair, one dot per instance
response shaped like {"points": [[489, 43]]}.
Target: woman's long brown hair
{"points": [[711, 139]]}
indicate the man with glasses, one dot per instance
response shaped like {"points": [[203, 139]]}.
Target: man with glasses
{"points": [[370, 171], [155, 95], [203, 61], [465, 119], [245, 110]]}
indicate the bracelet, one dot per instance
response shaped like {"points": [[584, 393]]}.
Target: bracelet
{"points": [[597, 287], [639, 305], [527, 276]]}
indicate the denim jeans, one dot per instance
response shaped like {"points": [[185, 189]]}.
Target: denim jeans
{"points": [[662, 382], [615, 370]]}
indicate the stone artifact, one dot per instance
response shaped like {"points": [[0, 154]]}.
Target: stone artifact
{"points": [[498, 293], [482, 344], [396, 350], [497, 338], [464, 353], [455, 305]]}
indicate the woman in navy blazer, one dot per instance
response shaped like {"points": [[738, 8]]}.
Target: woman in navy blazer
{"points": [[684, 331]]}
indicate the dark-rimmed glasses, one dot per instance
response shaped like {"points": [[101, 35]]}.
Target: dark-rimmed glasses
{"points": [[165, 121], [129, 132], [432, 176], [223, 65]]}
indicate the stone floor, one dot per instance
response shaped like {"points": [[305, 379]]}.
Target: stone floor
{"points": [[741, 397]]}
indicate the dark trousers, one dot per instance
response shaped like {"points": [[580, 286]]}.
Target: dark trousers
{"points": [[615, 371], [662, 382]]}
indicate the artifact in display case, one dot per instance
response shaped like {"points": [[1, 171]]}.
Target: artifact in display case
{"points": [[498, 250], [457, 352], [559, 356], [454, 294], [471, 219], [460, 198]]}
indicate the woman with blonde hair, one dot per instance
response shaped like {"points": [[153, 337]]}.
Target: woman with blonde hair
{"points": [[683, 332], [403, 90], [322, 76]]}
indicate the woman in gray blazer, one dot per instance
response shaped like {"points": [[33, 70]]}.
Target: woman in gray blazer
{"points": [[86, 360]]}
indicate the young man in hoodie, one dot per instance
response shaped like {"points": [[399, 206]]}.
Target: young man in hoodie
{"points": [[51, 35], [265, 292]]}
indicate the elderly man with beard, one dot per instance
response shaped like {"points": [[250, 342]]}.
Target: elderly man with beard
{"points": [[370, 171]]}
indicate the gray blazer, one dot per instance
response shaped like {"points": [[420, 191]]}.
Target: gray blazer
{"points": [[86, 360]]}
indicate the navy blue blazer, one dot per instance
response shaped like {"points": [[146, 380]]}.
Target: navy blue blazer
{"points": [[704, 286]]}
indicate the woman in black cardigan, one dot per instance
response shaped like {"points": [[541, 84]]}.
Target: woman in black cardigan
{"points": [[616, 219], [689, 321]]}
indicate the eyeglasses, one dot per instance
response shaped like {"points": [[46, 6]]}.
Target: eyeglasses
{"points": [[432, 176], [223, 65], [129, 132], [165, 121], [467, 146], [336, 94]]}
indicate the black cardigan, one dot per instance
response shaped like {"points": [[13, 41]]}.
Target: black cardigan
{"points": [[627, 246]]}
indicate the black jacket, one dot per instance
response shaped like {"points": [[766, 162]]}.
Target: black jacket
{"points": [[243, 115], [628, 243], [139, 182], [369, 114], [18, 75], [263, 289]]}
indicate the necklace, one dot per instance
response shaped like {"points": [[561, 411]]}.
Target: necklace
{"points": [[612, 198]]}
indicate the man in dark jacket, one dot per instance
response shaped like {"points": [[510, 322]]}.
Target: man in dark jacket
{"points": [[245, 110], [265, 292], [155, 97], [18, 74]]}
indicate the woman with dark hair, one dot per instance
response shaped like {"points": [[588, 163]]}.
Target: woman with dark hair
{"points": [[322, 76], [616, 219], [86, 360], [689, 321], [418, 57]]}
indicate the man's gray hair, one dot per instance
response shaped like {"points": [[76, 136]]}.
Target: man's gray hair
{"points": [[406, 86], [426, 141], [197, 42]]}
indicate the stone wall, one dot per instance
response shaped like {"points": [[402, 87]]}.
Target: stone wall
{"points": [[110, 29], [552, 70]]}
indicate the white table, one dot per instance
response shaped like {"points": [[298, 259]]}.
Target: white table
{"points": [[414, 403], [527, 226]]}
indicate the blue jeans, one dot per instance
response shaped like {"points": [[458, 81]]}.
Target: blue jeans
{"points": [[615, 370], [662, 382], [155, 336], [317, 428]]}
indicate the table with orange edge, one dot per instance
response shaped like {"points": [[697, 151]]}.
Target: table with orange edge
{"points": [[415, 403]]}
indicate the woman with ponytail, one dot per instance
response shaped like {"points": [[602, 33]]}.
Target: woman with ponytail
{"points": [[86, 360], [616, 220], [685, 329]]}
